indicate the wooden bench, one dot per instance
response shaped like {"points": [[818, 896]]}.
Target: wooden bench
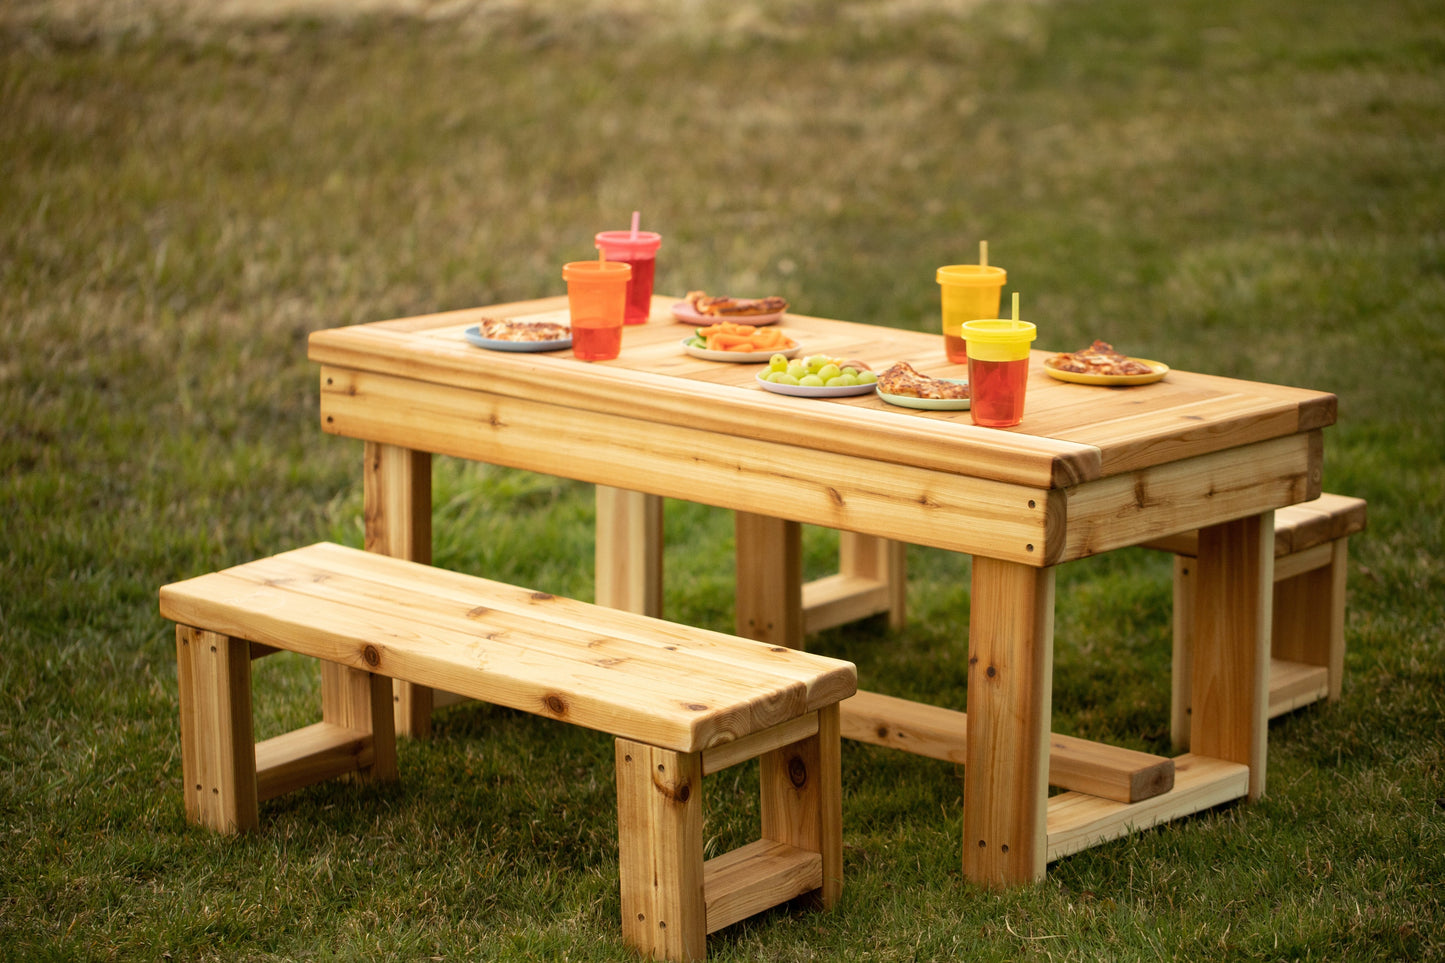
{"points": [[681, 702], [1311, 542]]}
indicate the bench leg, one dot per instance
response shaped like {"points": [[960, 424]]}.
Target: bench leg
{"points": [[1307, 629], [218, 757], [1309, 616], [362, 702], [671, 898], [660, 862], [802, 799]]}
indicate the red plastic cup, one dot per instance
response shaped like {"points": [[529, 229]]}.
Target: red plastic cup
{"points": [[998, 370], [968, 291], [639, 251], [597, 302]]}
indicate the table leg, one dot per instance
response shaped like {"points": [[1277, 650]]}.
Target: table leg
{"points": [[879, 559], [629, 551], [1234, 594], [396, 505], [1010, 689], [769, 579]]}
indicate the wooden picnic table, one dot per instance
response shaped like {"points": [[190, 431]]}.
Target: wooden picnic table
{"points": [[1088, 470]]}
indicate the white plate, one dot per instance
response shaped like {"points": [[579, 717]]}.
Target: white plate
{"points": [[684, 312], [743, 356], [809, 391], [931, 404], [474, 335]]}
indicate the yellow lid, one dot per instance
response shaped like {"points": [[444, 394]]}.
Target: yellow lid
{"points": [[998, 339]]}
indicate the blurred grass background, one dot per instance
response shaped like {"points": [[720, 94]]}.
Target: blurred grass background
{"points": [[1254, 190]]}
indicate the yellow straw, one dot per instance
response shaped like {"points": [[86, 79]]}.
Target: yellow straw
{"points": [[983, 254], [1016, 310], [601, 254]]}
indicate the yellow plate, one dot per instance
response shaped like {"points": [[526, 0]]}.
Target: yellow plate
{"points": [[1078, 377]]}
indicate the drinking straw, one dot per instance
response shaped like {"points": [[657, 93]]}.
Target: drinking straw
{"points": [[636, 219], [601, 254], [983, 254], [1016, 311]]}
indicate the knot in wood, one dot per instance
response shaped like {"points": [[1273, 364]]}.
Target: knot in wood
{"points": [[797, 772], [542, 596], [371, 655], [555, 704]]}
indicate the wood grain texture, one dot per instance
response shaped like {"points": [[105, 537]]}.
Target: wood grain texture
{"points": [[1185, 415], [1010, 682], [1234, 591], [618, 672], [941, 733], [218, 762], [660, 864], [628, 552], [769, 559]]}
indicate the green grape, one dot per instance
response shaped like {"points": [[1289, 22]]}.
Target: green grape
{"points": [[850, 380], [777, 363], [835, 382], [867, 378], [783, 378], [797, 368], [811, 381], [828, 372]]}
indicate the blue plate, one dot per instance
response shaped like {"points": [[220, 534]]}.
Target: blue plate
{"points": [[474, 335]]}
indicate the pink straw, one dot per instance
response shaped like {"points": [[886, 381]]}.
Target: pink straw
{"points": [[636, 220]]}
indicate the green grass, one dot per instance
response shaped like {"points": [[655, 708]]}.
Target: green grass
{"points": [[1248, 189]]}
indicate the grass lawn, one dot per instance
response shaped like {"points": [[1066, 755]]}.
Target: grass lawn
{"points": [[1247, 189]]}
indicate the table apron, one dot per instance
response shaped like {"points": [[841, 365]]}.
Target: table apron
{"points": [[1022, 523], [915, 505], [1132, 508]]}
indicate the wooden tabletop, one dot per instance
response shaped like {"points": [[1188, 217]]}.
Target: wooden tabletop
{"points": [[1174, 444]]}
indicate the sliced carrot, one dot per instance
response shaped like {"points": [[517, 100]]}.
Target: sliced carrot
{"points": [[727, 340]]}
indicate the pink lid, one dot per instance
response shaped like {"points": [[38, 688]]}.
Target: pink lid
{"points": [[643, 244]]}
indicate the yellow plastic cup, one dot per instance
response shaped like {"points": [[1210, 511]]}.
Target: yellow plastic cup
{"points": [[998, 369], [597, 302], [969, 291]]}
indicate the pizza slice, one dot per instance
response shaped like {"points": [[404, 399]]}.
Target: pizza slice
{"points": [[513, 329], [901, 379], [722, 306], [1099, 358]]}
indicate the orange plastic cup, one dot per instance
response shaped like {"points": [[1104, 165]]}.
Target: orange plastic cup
{"points": [[998, 370], [597, 302], [969, 292]]}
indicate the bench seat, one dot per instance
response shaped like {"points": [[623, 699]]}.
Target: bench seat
{"points": [[681, 702]]}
